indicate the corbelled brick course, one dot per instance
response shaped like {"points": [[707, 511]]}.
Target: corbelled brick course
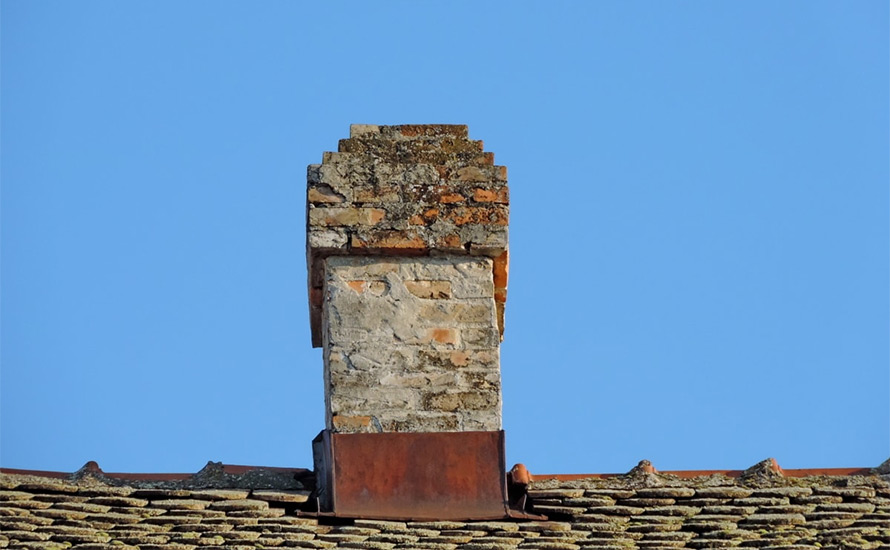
{"points": [[407, 250]]}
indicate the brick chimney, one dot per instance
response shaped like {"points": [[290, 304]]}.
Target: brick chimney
{"points": [[407, 246], [407, 255]]}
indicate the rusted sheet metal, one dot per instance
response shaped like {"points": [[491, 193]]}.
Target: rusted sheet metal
{"points": [[412, 476]]}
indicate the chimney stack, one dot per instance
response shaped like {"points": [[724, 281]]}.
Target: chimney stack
{"points": [[407, 256]]}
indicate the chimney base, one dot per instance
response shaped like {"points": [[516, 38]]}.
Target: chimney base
{"points": [[412, 476]]}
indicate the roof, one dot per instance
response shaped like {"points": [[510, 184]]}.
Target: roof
{"points": [[241, 507]]}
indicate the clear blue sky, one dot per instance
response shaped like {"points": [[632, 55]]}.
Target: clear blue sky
{"points": [[700, 265]]}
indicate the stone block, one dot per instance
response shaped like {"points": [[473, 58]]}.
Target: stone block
{"points": [[327, 239], [431, 290], [393, 332], [356, 130], [461, 401], [336, 216], [484, 338], [323, 194], [380, 194]]}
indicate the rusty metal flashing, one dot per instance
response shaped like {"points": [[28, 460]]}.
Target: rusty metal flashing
{"points": [[413, 476]]}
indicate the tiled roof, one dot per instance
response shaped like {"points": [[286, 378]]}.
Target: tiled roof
{"points": [[241, 508]]}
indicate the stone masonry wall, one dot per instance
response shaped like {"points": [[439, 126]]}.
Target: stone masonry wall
{"points": [[407, 256], [411, 344], [406, 190]]}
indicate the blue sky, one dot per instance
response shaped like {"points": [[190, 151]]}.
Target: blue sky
{"points": [[699, 224]]}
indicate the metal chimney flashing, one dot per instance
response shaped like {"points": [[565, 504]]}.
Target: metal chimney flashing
{"points": [[412, 476]]}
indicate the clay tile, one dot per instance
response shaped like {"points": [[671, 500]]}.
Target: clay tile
{"points": [[520, 475]]}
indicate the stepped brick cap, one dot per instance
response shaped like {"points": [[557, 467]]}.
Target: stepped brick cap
{"points": [[409, 190]]}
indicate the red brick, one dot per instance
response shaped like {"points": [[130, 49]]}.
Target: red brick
{"points": [[500, 295], [498, 195], [501, 269], [484, 215], [449, 241], [484, 195], [451, 198]]}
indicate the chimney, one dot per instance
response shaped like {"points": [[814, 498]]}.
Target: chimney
{"points": [[407, 256]]}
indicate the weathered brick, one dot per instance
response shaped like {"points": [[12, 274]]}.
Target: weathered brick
{"points": [[449, 198], [323, 194], [334, 216], [457, 130], [482, 174], [458, 358], [327, 239], [387, 240], [498, 195], [474, 400], [352, 424], [377, 288], [429, 289], [356, 130], [443, 335], [376, 194], [494, 215], [456, 313], [501, 269], [449, 242]]}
